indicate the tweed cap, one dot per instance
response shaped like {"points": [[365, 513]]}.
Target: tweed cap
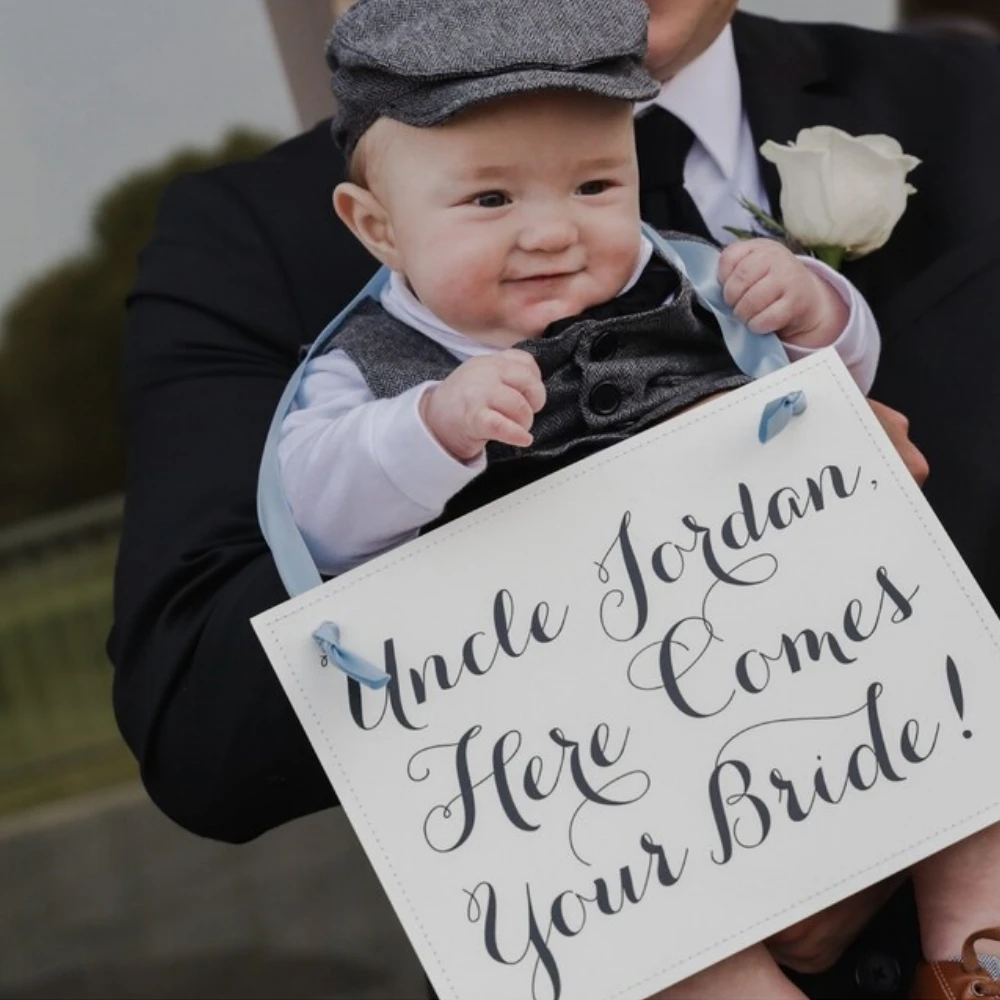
{"points": [[422, 61]]}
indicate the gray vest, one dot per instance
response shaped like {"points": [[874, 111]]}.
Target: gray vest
{"points": [[609, 373]]}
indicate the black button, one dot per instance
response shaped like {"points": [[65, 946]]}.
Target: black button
{"points": [[878, 974], [605, 398], [604, 347]]}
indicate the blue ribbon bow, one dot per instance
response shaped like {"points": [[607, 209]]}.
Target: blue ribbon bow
{"points": [[327, 637], [778, 412]]}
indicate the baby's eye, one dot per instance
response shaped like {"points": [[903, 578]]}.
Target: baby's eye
{"points": [[491, 199], [593, 187]]}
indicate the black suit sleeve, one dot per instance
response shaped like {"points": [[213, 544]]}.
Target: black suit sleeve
{"points": [[212, 339], [940, 365]]}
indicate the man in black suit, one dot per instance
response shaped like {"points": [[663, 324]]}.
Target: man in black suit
{"points": [[248, 263]]}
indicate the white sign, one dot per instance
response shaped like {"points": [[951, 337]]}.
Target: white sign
{"points": [[655, 708]]}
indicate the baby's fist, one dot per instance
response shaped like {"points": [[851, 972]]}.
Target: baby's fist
{"points": [[772, 291], [489, 398]]}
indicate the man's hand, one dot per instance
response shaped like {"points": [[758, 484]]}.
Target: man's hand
{"points": [[772, 291], [898, 428], [490, 398], [815, 944]]}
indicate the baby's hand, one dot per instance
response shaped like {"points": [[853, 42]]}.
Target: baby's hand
{"points": [[771, 290], [490, 398]]}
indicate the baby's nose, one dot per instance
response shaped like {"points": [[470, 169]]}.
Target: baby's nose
{"points": [[548, 234]]}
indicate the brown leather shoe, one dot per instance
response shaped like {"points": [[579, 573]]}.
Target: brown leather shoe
{"points": [[965, 980]]}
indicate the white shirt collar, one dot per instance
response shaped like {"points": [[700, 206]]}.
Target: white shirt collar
{"points": [[399, 301], [706, 95]]}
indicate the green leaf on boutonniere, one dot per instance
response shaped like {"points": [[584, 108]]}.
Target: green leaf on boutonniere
{"points": [[744, 234], [770, 228], [770, 225]]}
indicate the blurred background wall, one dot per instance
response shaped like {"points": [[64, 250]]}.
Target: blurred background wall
{"points": [[101, 103]]}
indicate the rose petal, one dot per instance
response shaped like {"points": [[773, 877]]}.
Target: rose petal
{"points": [[819, 137], [804, 207], [891, 149], [884, 144]]}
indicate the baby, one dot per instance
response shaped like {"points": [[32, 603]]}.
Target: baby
{"points": [[513, 213], [528, 321]]}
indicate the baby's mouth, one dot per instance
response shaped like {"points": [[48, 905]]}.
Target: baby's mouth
{"points": [[544, 276]]}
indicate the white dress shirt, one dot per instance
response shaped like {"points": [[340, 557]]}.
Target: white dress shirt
{"points": [[364, 475], [722, 166]]}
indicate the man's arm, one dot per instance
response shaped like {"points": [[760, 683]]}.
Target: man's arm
{"points": [[212, 338]]}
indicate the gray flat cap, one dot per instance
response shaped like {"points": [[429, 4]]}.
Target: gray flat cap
{"points": [[422, 61]]}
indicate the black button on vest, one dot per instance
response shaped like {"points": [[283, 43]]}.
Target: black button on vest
{"points": [[604, 347], [605, 398], [663, 142]]}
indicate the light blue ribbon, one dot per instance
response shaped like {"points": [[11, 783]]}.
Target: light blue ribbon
{"points": [[778, 412], [756, 355], [295, 565], [327, 637]]}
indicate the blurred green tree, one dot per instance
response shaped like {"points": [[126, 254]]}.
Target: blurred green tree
{"points": [[61, 345]]}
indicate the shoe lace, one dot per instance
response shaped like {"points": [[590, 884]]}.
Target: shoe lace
{"points": [[987, 986]]}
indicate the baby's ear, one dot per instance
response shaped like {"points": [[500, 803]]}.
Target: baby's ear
{"points": [[368, 219]]}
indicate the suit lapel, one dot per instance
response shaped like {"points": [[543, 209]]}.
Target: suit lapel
{"points": [[784, 78], [788, 84]]}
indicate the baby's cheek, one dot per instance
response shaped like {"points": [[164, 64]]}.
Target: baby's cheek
{"points": [[461, 292], [619, 254]]}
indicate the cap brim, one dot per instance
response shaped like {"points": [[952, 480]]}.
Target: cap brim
{"points": [[432, 104]]}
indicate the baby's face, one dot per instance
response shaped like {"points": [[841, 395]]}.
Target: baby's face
{"points": [[516, 214]]}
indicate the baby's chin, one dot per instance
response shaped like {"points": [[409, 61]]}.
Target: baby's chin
{"points": [[533, 320], [526, 315]]}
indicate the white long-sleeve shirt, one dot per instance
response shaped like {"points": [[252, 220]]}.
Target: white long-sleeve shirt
{"points": [[364, 475]]}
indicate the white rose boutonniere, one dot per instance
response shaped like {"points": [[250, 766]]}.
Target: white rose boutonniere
{"points": [[841, 195]]}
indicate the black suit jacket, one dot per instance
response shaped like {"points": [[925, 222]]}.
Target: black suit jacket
{"points": [[248, 263]]}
